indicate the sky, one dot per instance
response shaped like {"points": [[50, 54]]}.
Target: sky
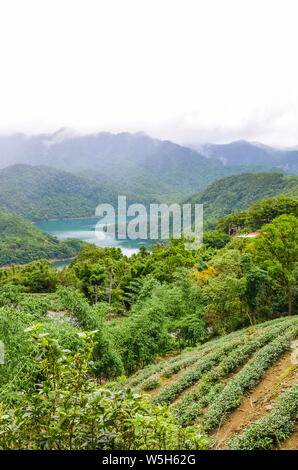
{"points": [[190, 71]]}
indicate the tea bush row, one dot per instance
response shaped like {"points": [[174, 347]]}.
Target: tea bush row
{"points": [[268, 431], [247, 378], [194, 401], [170, 393]]}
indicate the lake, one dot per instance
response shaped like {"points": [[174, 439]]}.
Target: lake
{"points": [[84, 229]]}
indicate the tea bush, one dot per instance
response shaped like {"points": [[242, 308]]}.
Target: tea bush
{"points": [[271, 429]]}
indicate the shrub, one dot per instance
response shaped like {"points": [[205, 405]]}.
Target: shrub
{"points": [[151, 383], [68, 410]]}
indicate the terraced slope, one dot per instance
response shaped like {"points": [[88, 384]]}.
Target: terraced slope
{"points": [[241, 388]]}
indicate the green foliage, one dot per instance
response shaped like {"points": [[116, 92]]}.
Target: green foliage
{"points": [[22, 363], [143, 374], [162, 305], [276, 251], [42, 192], [177, 365], [20, 366], [151, 383], [21, 242], [171, 366], [260, 213], [38, 276], [31, 360], [242, 289], [215, 239], [238, 192], [10, 294], [92, 277], [170, 393], [223, 295], [36, 306], [70, 411], [144, 336], [110, 315], [107, 362]]}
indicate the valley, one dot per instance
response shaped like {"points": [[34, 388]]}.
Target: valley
{"points": [[148, 233], [198, 342]]}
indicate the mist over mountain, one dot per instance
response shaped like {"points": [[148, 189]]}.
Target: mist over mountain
{"points": [[72, 151], [242, 152], [143, 168]]}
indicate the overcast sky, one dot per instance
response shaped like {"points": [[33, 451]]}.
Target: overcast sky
{"points": [[185, 70]]}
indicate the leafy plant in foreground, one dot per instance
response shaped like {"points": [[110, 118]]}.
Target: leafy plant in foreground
{"points": [[71, 411]]}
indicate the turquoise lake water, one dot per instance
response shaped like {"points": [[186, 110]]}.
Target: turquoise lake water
{"points": [[84, 229]]}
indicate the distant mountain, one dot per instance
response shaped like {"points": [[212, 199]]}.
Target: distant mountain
{"points": [[138, 166], [239, 192], [41, 192], [22, 242], [252, 153]]}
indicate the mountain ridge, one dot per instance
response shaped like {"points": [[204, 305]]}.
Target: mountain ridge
{"points": [[143, 168], [251, 153]]}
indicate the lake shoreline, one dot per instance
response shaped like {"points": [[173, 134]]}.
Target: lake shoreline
{"points": [[50, 260], [65, 218], [85, 229]]}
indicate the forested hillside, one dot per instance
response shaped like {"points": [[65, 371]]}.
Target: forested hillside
{"points": [[238, 192], [198, 329], [260, 213], [41, 192], [22, 242]]}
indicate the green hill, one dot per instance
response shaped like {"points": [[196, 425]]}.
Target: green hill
{"points": [[41, 192], [22, 242], [238, 192], [258, 214]]}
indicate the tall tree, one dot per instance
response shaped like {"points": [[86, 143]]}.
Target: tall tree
{"points": [[276, 250]]}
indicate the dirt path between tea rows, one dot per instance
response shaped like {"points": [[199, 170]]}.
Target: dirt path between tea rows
{"points": [[278, 378]]}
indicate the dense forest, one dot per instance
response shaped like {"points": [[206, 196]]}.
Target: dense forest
{"points": [[44, 193], [22, 242], [83, 344], [238, 192], [41, 192]]}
